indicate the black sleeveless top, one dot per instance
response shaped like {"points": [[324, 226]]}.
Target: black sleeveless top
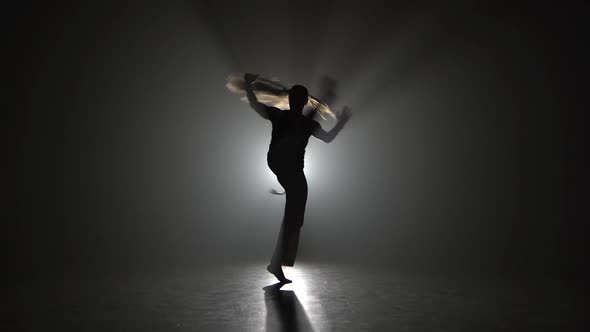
{"points": [[290, 135]]}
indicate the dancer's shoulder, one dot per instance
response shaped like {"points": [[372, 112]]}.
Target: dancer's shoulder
{"points": [[273, 112]]}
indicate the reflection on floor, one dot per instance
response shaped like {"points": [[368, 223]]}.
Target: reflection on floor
{"points": [[321, 298], [284, 312]]}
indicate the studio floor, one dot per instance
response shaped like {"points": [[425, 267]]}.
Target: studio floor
{"points": [[322, 297]]}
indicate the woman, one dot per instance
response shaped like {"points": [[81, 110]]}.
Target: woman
{"points": [[290, 134]]}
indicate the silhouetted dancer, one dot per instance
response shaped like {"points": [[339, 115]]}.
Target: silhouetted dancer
{"points": [[290, 134]]}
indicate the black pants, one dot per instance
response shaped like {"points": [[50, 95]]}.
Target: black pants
{"points": [[295, 186]]}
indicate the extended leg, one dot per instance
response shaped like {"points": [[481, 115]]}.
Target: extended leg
{"points": [[275, 263], [288, 240]]}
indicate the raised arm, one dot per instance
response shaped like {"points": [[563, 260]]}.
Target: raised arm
{"points": [[259, 107], [328, 136]]}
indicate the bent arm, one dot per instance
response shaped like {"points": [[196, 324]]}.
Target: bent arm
{"points": [[328, 136], [259, 107]]}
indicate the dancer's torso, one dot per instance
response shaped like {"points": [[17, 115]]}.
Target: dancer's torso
{"points": [[290, 135]]}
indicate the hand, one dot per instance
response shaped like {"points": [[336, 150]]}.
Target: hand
{"points": [[344, 115], [250, 78]]}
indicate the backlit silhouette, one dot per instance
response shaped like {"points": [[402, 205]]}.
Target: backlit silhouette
{"points": [[290, 134]]}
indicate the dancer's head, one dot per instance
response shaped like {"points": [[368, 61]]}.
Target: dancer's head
{"points": [[298, 97]]}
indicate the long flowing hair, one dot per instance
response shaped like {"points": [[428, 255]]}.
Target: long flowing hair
{"points": [[273, 93]]}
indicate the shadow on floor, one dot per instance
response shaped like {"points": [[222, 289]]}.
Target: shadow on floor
{"points": [[284, 312]]}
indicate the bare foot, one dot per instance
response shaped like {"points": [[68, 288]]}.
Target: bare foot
{"points": [[278, 272]]}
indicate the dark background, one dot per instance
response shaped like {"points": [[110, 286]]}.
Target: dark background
{"points": [[464, 153]]}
